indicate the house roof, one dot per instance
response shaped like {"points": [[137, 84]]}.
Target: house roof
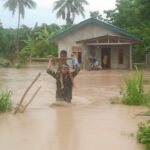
{"points": [[94, 21], [106, 37]]}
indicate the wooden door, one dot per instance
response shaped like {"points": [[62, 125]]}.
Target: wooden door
{"points": [[106, 58]]}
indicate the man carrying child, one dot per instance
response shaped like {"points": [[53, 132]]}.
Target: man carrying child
{"points": [[64, 78]]}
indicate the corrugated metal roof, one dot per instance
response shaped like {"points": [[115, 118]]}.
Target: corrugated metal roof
{"points": [[94, 21]]}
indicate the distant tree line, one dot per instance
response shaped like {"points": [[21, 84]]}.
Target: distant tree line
{"points": [[32, 41]]}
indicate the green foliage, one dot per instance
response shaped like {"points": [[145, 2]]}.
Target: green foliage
{"points": [[133, 92], [147, 100], [96, 15], [5, 101], [7, 43], [33, 42], [137, 21], [4, 62], [143, 134], [23, 57], [37, 43]]}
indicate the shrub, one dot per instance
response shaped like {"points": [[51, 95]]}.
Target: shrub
{"points": [[133, 92], [147, 100], [23, 57], [143, 134], [4, 62], [5, 101]]}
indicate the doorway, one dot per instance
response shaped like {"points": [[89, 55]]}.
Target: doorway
{"points": [[77, 50], [105, 58]]}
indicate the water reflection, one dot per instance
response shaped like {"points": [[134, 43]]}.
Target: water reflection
{"points": [[66, 129]]}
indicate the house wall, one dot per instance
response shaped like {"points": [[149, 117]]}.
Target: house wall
{"points": [[114, 56], [86, 32]]}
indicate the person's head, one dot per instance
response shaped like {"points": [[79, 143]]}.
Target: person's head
{"points": [[63, 53]]}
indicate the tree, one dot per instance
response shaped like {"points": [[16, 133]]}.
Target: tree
{"points": [[133, 16], [6, 42], [68, 9], [96, 15], [19, 5], [36, 42], [1, 39]]}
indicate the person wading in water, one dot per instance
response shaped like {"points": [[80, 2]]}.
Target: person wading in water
{"points": [[63, 75]]}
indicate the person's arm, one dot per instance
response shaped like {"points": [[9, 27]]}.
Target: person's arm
{"points": [[49, 70]]}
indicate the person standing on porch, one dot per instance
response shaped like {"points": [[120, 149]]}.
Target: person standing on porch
{"points": [[74, 61]]}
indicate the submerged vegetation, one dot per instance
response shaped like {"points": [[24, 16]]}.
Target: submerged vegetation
{"points": [[5, 101]]}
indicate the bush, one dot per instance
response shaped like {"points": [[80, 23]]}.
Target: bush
{"points": [[4, 62], [23, 57], [143, 134], [5, 101], [133, 92]]}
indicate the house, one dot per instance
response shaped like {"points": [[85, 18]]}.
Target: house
{"points": [[111, 45]]}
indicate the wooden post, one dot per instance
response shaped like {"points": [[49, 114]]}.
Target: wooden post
{"points": [[25, 93], [85, 57], [130, 57], [30, 101]]}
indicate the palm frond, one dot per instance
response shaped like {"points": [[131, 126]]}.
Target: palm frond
{"points": [[30, 4], [58, 4], [68, 9]]}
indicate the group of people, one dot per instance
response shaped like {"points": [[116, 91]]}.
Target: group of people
{"points": [[64, 77], [93, 63]]}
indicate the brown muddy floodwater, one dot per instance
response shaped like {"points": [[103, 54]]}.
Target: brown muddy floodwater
{"points": [[91, 122]]}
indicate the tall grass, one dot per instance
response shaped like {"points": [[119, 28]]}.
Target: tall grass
{"points": [[133, 91], [5, 101]]}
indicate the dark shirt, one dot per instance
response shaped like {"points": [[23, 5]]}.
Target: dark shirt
{"points": [[66, 93]]}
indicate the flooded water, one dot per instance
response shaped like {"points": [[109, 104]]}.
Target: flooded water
{"points": [[91, 122]]}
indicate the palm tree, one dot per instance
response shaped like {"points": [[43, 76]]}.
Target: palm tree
{"points": [[19, 5], [68, 9]]}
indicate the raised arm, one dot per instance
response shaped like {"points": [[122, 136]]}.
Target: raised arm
{"points": [[49, 70]]}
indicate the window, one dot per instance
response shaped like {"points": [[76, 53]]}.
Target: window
{"points": [[120, 57]]}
